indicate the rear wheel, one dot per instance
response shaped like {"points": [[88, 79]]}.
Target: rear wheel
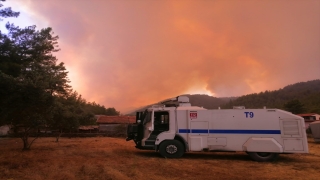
{"points": [[263, 156], [171, 149]]}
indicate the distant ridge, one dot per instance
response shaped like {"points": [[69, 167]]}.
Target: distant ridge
{"points": [[308, 93]]}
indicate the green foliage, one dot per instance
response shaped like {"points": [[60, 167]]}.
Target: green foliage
{"points": [[7, 12], [69, 114], [98, 109], [294, 106], [30, 78], [303, 97], [34, 89], [23, 103]]}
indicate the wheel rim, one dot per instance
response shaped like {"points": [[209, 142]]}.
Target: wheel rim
{"points": [[263, 154], [171, 149]]}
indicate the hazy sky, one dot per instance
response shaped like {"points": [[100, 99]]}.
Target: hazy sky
{"points": [[129, 53]]}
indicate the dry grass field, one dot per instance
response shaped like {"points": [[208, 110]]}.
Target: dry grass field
{"points": [[114, 158]]}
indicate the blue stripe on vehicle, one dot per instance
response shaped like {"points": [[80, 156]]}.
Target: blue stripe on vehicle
{"points": [[184, 130], [227, 131], [199, 130]]}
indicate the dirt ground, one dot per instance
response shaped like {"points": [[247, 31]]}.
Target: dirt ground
{"points": [[114, 158]]}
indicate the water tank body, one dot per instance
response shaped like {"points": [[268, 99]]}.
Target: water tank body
{"points": [[315, 129]]}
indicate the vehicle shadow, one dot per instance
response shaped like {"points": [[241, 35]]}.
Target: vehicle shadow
{"points": [[240, 156], [201, 155]]}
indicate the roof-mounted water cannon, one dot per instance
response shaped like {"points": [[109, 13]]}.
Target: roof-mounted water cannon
{"points": [[177, 101], [239, 107]]}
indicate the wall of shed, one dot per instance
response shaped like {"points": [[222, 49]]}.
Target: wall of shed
{"points": [[4, 130], [120, 129]]}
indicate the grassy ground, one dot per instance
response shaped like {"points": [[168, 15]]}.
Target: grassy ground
{"points": [[113, 158]]}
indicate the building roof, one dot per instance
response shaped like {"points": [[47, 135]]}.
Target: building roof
{"points": [[88, 127], [116, 119], [308, 114]]}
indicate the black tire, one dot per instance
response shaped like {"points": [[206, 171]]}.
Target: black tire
{"points": [[263, 156], [171, 149]]}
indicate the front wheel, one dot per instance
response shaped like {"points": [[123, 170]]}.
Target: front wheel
{"points": [[263, 156], [171, 149]]}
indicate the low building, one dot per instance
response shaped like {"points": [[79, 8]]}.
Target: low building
{"points": [[113, 124], [4, 130], [309, 118], [88, 129]]}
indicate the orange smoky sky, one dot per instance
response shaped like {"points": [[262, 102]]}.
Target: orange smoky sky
{"points": [[126, 54]]}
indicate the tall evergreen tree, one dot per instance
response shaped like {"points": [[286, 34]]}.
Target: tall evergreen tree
{"points": [[30, 77], [34, 89]]}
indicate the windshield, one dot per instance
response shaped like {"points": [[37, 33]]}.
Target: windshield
{"points": [[147, 117]]}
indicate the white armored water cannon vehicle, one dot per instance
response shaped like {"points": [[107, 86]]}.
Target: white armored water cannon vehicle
{"points": [[174, 127]]}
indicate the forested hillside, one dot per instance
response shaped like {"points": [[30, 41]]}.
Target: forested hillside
{"points": [[303, 97], [208, 102]]}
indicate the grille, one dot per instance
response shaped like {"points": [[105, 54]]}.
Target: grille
{"points": [[291, 128]]}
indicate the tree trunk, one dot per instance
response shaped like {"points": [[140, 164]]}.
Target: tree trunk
{"points": [[59, 135], [26, 145]]}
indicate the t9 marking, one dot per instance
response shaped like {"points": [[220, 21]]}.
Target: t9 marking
{"points": [[249, 114]]}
